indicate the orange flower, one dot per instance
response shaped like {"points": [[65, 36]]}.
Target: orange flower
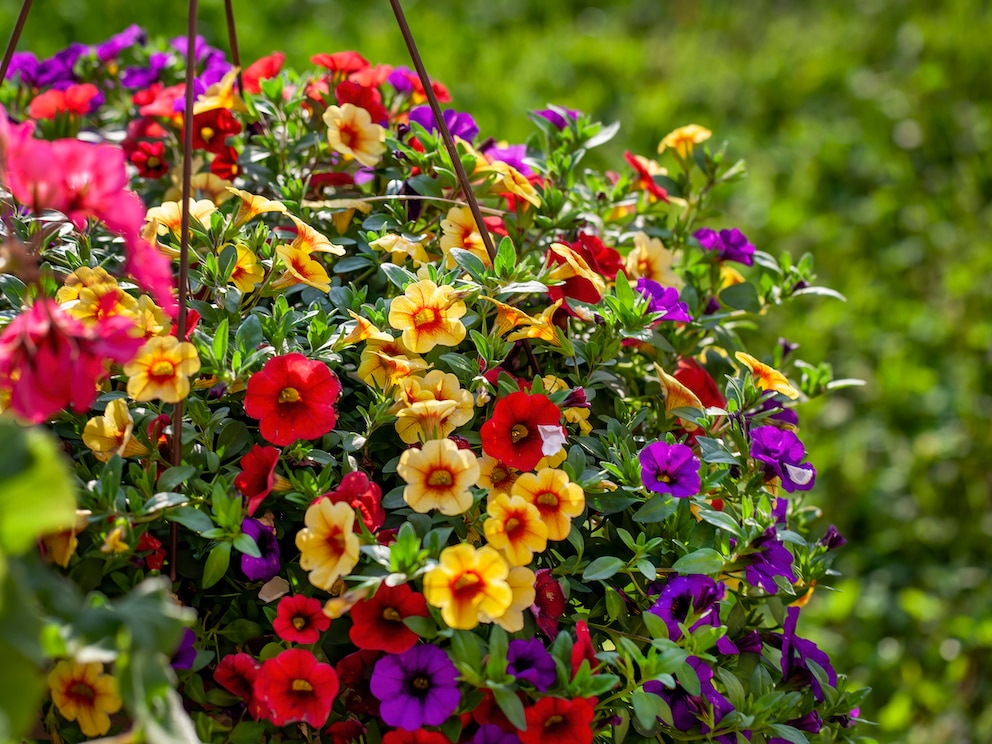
{"points": [[311, 241], [161, 370], [429, 316], [252, 206], [677, 395], [515, 527], [248, 272], [541, 328], [438, 476], [683, 139], [300, 269], [555, 497], [351, 132], [767, 378], [469, 586], [84, 694]]}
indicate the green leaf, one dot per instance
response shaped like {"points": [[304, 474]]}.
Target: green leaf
{"points": [[397, 275], [645, 709], [788, 733], [703, 561], [426, 185], [191, 518], [602, 568], [249, 336], [506, 258], [657, 509], [470, 263], [511, 706], [245, 544], [743, 296], [715, 452], [216, 566], [241, 630], [175, 475], [823, 292], [722, 520], [163, 500], [219, 345]]}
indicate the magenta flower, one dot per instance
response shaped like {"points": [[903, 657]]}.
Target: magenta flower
{"points": [[730, 244], [783, 453], [416, 688], [670, 468]]}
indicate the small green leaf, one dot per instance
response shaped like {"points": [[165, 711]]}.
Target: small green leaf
{"points": [[602, 568], [703, 561], [191, 518], [743, 296], [216, 566], [173, 476], [511, 706], [245, 544], [657, 509]]}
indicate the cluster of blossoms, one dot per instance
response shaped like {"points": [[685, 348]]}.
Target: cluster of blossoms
{"points": [[427, 491]]}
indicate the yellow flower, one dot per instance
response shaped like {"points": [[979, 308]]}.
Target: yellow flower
{"points": [[515, 527], [221, 95], [252, 206], [60, 546], [521, 581], [344, 210], [515, 182], [401, 249], [459, 230], [496, 476], [677, 395], [211, 186], [386, 361], [469, 586], [574, 266], [328, 545], [351, 132], [363, 331], [111, 433], [558, 499], [82, 277], [300, 269], [114, 542], [438, 476], [767, 378], [683, 139], [100, 301], [508, 317], [161, 370], [652, 260], [84, 694], [429, 316], [578, 416], [150, 318], [337, 607], [248, 272], [430, 407], [309, 240], [542, 327], [169, 215]]}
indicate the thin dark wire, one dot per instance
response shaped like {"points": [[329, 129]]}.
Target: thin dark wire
{"points": [[177, 411], [15, 36], [232, 40]]}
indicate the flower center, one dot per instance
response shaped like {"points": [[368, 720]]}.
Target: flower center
{"points": [[163, 368], [547, 499], [512, 524], [553, 721], [680, 608], [299, 623], [664, 476], [466, 584], [301, 685], [421, 682], [392, 615], [518, 432], [348, 136], [82, 690], [153, 162], [207, 134], [289, 395], [440, 478], [424, 316]]}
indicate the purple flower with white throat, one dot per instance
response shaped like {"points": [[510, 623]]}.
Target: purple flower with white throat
{"points": [[783, 453], [664, 300], [670, 468], [730, 244], [268, 565], [416, 688]]}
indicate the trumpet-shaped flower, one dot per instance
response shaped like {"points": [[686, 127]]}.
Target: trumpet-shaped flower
{"points": [[300, 619], [377, 622], [293, 398], [328, 544], [458, 230], [161, 370], [169, 215], [253, 205], [555, 496], [515, 527], [387, 360], [351, 132], [248, 272], [301, 268], [294, 687], [428, 316], [515, 182], [766, 377], [469, 586], [684, 138], [438, 476], [418, 687], [431, 407], [402, 248], [111, 433], [541, 327], [84, 694], [578, 280], [310, 240]]}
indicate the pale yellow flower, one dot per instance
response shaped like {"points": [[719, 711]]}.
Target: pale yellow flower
{"points": [[169, 215], [402, 248], [328, 544], [521, 581], [515, 182], [112, 433], [428, 316], [458, 230], [438, 476], [651, 260]]}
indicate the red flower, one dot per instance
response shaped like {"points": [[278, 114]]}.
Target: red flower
{"points": [[515, 434], [300, 619], [378, 620], [258, 475], [362, 494], [237, 673], [695, 377], [225, 164], [644, 177], [549, 602], [295, 687], [148, 156], [355, 671], [156, 559], [262, 69], [293, 398], [76, 99], [212, 128], [582, 649], [420, 736], [341, 62], [192, 321], [489, 712], [602, 259], [146, 96], [495, 225], [364, 97], [346, 731], [555, 721]]}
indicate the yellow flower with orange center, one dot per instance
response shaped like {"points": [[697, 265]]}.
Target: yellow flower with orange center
{"points": [[310, 240], [684, 138], [429, 316], [438, 476], [521, 581], [515, 182], [767, 378], [253, 205], [541, 328], [458, 230], [248, 272], [363, 331], [573, 267], [111, 433], [556, 498], [508, 317], [431, 407], [386, 361], [402, 248], [161, 370], [169, 215], [496, 476], [84, 694], [469, 586], [652, 260], [82, 277], [150, 319], [100, 301], [515, 527], [351, 132], [328, 544], [300, 269]]}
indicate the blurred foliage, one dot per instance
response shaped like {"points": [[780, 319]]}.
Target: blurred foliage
{"points": [[867, 124]]}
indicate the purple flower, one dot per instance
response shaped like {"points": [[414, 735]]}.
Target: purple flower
{"points": [[782, 453], [688, 710], [797, 652], [399, 78], [117, 43], [663, 300], [180, 44], [750, 643], [135, 78], [214, 72], [490, 733], [459, 123], [530, 661], [512, 155], [783, 417], [768, 558], [730, 244], [186, 653], [832, 539], [416, 688], [695, 595], [780, 510], [552, 115], [266, 567], [54, 71], [670, 468], [24, 64]]}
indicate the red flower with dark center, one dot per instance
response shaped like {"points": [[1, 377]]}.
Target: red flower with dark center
{"points": [[362, 494], [514, 433], [355, 671], [237, 673], [644, 178], [293, 398], [225, 164], [262, 69], [148, 156], [378, 621], [695, 377], [364, 97], [420, 736], [549, 602], [300, 619], [295, 687], [552, 720], [258, 475], [212, 128]]}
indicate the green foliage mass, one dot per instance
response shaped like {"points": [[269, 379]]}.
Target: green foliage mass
{"points": [[868, 124]]}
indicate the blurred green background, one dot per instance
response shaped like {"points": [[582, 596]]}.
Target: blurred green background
{"points": [[867, 128]]}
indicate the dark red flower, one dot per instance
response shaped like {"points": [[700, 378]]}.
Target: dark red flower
{"points": [[355, 671], [549, 602], [420, 736], [257, 476], [516, 432], [362, 494], [582, 649], [295, 687], [346, 731], [192, 321], [553, 720], [364, 97], [488, 712], [378, 621], [293, 398], [237, 673], [262, 69], [225, 164], [212, 128], [148, 156], [602, 259], [156, 558], [300, 619], [644, 179], [341, 62], [695, 377]]}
